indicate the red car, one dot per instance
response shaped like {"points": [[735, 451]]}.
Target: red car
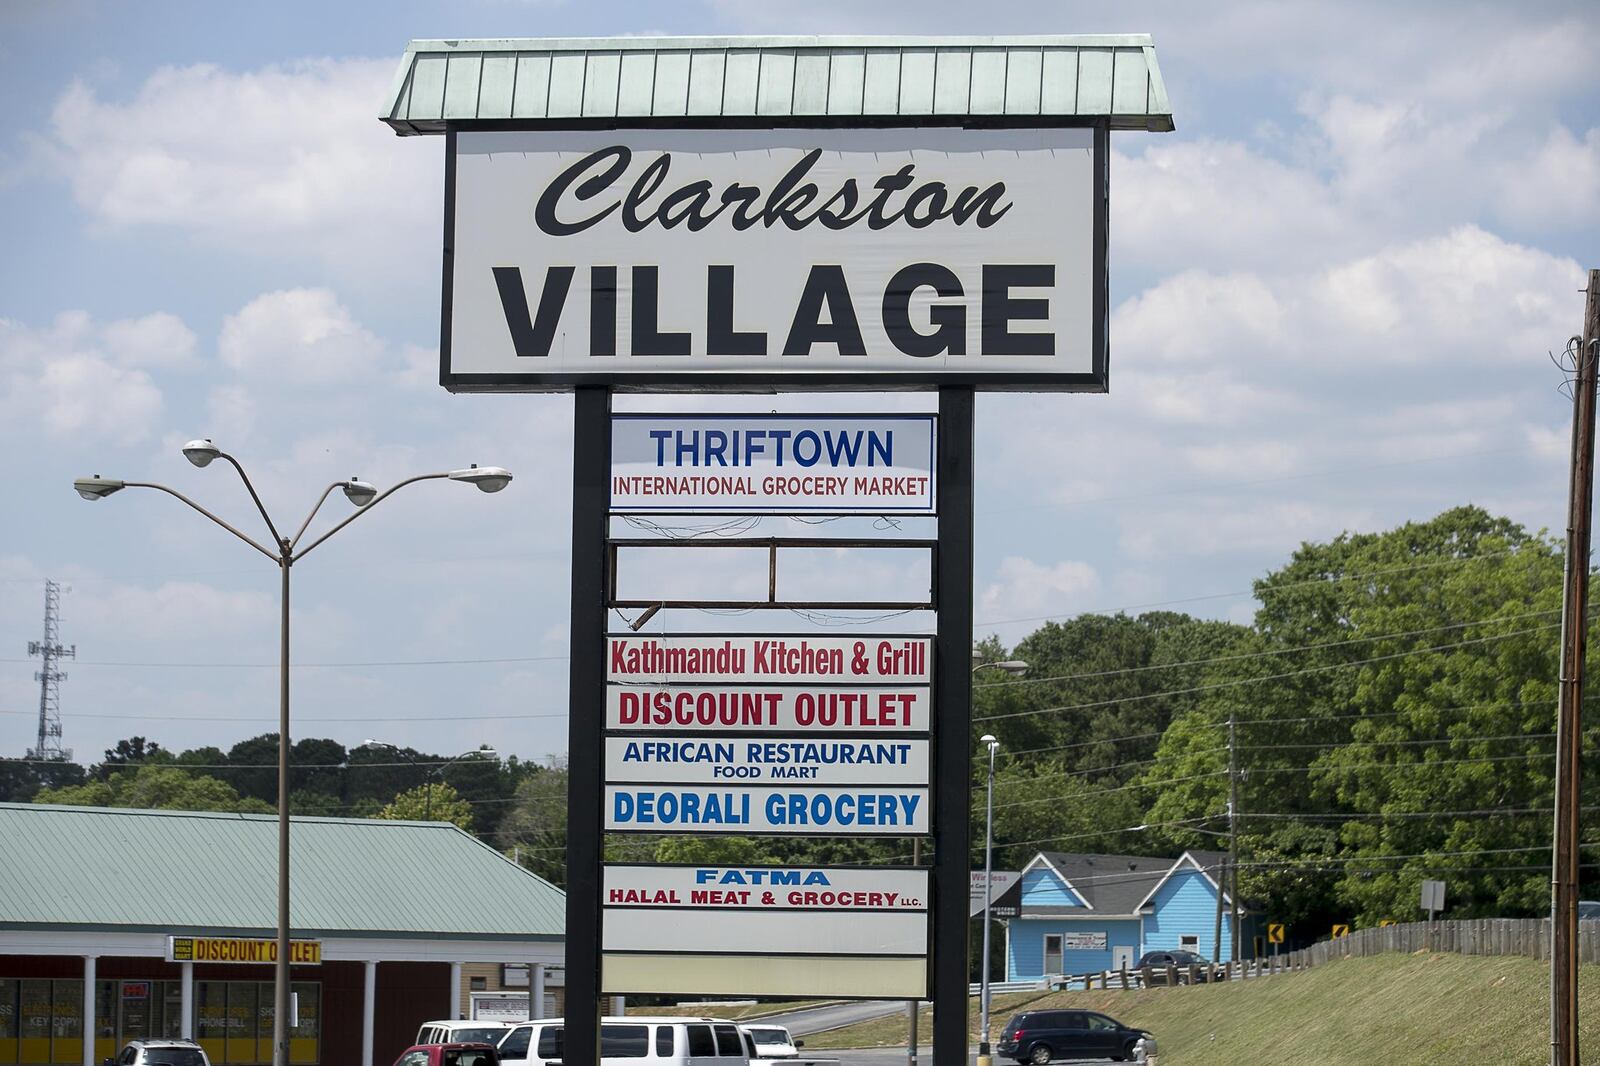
{"points": [[449, 1055]]}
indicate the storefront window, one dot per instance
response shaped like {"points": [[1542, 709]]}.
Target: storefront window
{"points": [[171, 1009], [211, 1017], [304, 1037], [243, 1026], [8, 1021], [34, 1017], [66, 1022]]}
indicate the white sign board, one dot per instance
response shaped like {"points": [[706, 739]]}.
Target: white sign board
{"points": [[814, 889], [772, 464], [724, 708], [790, 257], [788, 658], [1083, 941], [999, 881], [769, 810], [704, 760]]}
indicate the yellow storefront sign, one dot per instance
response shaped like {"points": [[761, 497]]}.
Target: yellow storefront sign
{"points": [[240, 950]]}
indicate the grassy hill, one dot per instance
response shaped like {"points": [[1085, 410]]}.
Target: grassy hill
{"points": [[1423, 1010]]}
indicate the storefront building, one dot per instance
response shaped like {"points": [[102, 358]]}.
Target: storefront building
{"points": [[161, 924]]}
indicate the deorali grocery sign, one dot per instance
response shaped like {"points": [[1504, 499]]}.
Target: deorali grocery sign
{"points": [[716, 257]]}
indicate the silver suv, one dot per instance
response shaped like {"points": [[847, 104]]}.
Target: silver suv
{"points": [[161, 1053]]}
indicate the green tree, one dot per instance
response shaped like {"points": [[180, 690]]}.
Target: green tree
{"points": [[155, 787], [535, 823], [435, 801]]}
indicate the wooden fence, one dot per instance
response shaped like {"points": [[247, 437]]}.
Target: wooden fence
{"points": [[1476, 936]]}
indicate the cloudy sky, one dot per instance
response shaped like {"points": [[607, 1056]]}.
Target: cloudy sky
{"points": [[1334, 292]]}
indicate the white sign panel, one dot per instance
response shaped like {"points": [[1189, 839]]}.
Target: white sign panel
{"points": [[724, 708], [800, 256], [800, 888], [788, 658], [1083, 941], [769, 810], [999, 881], [728, 760], [772, 464]]}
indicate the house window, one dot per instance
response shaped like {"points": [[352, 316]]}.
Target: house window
{"points": [[479, 984], [1189, 942], [1052, 953]]}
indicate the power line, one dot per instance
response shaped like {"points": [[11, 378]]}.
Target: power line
{"points": [[1267, 677]]}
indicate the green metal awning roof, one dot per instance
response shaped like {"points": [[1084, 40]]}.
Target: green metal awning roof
{"points": [[1113, 77], [181, 871]]}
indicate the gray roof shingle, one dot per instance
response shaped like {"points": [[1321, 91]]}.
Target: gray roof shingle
{"points": [[1116, 884]]}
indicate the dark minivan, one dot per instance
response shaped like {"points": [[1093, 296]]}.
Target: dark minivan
{"points": [[1042, 1035]]}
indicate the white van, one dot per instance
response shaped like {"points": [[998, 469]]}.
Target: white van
{"points": [[634, 1041], [772, 1041], [463, 1031]]}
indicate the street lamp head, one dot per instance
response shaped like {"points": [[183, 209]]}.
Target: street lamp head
{"points": [[487, 478], [989, 740], [97, 487], [359, 492], [1014, 667], [201, 452]]}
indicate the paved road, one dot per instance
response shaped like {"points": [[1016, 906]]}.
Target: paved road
{"points": [[817, 1019], [897, 1057]]}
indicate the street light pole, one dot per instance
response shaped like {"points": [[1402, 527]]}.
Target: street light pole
{"points": [[988, 870], [202, 453], [427, 786], [1015, 668]]}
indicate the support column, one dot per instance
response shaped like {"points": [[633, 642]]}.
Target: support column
{"points": [[952, 737], [535, 991], [455, 990], [90, 969], [586, 689], [369, 1000], [186, 1003]]}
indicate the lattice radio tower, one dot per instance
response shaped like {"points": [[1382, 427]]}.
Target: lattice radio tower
{"points": [[50, 651]]}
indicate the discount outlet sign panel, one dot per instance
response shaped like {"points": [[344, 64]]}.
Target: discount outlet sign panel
{"points": [[772, 464], [792, 258]]}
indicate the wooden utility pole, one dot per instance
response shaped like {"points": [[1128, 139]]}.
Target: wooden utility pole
{"points": [[1569, 713], [1233, 834]]}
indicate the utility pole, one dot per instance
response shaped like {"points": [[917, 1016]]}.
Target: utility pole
{"points": [[1569, 712], [1233, 833], [912, 1006]]}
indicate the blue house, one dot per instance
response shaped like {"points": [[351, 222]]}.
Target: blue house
{"points": [[1083, 913]]}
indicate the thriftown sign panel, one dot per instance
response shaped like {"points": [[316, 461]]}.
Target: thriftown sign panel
{"points": [[838, 925], [772, 464], [787, 658], [702, 760], [779, 258], [775, 708], [774, 810]]}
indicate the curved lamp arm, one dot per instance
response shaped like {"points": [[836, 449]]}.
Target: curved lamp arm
{"points": [[175, 493], [320, 501], [252, 490], [391, 490]]}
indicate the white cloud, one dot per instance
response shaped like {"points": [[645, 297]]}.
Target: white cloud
{"points": [[298, 337], [285, 159], [79, 379], [1025, 588]]}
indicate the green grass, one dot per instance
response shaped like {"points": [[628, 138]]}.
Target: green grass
{"points": [[1423, 1010]]}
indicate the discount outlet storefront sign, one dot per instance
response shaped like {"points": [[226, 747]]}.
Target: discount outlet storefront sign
{"points": [[772, 464], [799, 257]]}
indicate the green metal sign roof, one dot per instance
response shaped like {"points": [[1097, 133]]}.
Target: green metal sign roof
{"points": [[181, 871], [1112, 77]]}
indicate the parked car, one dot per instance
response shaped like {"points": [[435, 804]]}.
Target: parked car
{"points": [[773, 1042], [1158, 961], [1042, 1035], [1588, 908], [454, 1054], [461, 1031], [633, 1041], [160, 1053]]}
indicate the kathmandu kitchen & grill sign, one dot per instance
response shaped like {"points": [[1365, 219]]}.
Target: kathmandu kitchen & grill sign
{"points": [[792, 259]]}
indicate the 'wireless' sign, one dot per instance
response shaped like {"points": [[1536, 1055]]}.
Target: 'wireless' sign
{"points": [[787, 258]]}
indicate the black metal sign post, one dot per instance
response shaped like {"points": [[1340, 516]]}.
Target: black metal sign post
{"points": [[591, 469], [952, 776]]}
